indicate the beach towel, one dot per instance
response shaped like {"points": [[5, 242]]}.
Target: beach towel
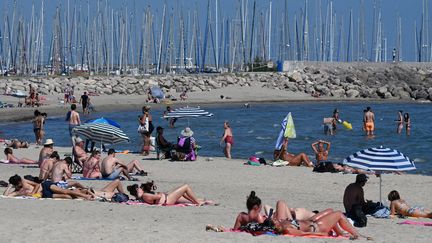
{"points": [[80, 178], [286, 235], [133, 202], [279, 163], [410, 222]]}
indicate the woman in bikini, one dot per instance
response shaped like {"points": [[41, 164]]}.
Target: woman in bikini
{"points": [[14, 160], [228, 139], [294, 160], [183, 194], [407, 121], [108, 191], [401, 207], [324, 223], [91, 167], [399, 122]]}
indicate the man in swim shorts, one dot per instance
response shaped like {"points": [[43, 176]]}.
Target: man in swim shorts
{"points": [[369, 119], [112, 168]]}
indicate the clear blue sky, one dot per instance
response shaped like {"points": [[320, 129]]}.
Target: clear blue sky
{"points": [[410, 10]]}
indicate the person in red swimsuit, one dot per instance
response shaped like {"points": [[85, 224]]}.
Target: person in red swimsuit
{"points": [[228, 139]]}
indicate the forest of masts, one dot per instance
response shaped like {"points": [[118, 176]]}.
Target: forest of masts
{"points": [[100, 40]]}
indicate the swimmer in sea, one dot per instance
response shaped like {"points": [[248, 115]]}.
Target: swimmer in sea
{"points": [[369, 119], [228, 139], [399, 122], [407, 121]]}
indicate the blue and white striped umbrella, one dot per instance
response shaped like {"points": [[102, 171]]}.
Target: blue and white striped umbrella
{"points": [[380, 160], [186, 112], [101, 132]]}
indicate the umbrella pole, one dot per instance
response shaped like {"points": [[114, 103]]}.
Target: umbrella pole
{"points": [[380, 189]]}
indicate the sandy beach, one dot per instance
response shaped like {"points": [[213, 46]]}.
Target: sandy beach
{"points": [[226, 182], [237, 94]]}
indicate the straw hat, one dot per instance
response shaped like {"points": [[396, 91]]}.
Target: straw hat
{"points": [[187, 132], [78, 140], [49, 141]]}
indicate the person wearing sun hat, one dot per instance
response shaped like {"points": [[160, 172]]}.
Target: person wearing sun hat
{"points": [[186, 145], [46, 151]]}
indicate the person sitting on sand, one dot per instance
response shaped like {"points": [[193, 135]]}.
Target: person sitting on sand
{"points": [[47, 166], [112, 167], [14, 160], [163, 145], [79, 152], [292, 159], [21, 187], [91, 167], [186, 145], [62, 173], [401, 207], [46, 151], [183, 194], [16, 144], [183, 95], [321, 149], [323, 224]]}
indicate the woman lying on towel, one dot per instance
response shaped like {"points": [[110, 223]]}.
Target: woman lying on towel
{"points": [[399, 206], [324, 223], [183, 194], [14, 160], [108, 191], [254, 214]]}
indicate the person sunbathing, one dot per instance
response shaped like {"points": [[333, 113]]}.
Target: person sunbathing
{"points": [[47, 189], [16, 144], [112, 168], [14, 160], [401, 207], [108, 191], [21, 187], [91, 167], [79, 152], [253, 204], [183, 194], [62, 173], [294, 160], [322, 224]]}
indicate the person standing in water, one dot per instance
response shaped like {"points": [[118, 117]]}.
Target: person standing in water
{"points": [[336, 119], [369, 119], [407, 121], [228, 139], [399, 122]]}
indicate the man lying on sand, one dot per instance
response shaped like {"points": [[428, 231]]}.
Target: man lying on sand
{"points": [[47, 189]]}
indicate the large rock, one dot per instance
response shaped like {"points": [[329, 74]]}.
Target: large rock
{"points": [[422, 94], [338, 93], [352, 93], [296, 77]]}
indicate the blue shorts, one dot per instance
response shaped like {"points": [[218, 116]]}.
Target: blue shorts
{"points": [[71, 127], [114, 175], [62, 184]]}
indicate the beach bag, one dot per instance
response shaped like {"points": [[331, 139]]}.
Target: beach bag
{"points": [[144, 128], [382, 212], [120, 197], [325, 167]]}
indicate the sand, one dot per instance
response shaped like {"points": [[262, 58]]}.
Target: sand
{"points": [[228, 182], [237, 94]]}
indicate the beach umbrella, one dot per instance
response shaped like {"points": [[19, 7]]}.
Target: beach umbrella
{"points": [[188, 112], [157, 92], [105, 121], [380, 160], [101, 132], [287, 131]]}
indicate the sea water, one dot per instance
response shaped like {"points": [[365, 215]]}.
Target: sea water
{"points": [[256, 129]]}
